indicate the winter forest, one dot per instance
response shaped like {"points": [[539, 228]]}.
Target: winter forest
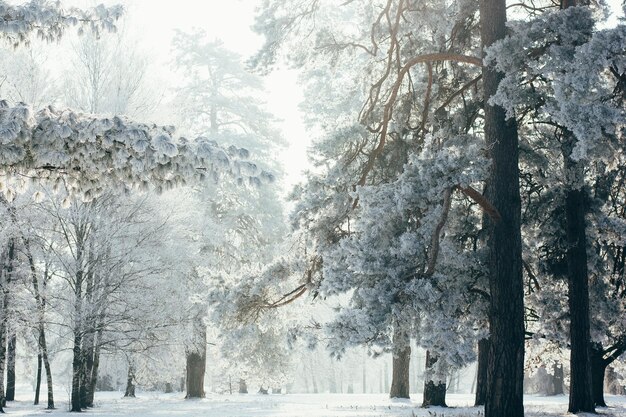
{"points": [[313, 208]]}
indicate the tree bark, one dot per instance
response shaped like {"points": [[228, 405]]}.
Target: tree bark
{"points": [[12, 346], [130, 385], [434, 391], [77, 367], [505, 373], [38, 381], [481, 371], [598, 370], [580, 396], [243, 387], [400, 366]]}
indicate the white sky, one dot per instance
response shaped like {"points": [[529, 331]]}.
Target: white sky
{"points": [[230, 21]]}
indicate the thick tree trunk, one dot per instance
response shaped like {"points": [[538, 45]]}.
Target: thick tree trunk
{"points": [[434, 391], [12, 346], [196, 362], [505, 373], [400, 366], [243, 387], [598, 370], [580, 396], [130, 385], [481, 371]]}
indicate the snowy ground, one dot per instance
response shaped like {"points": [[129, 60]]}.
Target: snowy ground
{"points": [[110, 404]]}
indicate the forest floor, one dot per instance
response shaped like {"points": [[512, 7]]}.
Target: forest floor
{"points": [[152, 404]]}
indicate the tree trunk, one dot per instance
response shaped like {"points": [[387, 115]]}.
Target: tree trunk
{"points": [[38, 382], [130, 385], [77, 366], [364, 379], [400, 366], [580, 393], [598, 370], [505, 372], [481, 371], [12, 346], [46, 363], [93, 380], [434, 391], [5, 281], [243, 387], [555, 387], [196, 361]]}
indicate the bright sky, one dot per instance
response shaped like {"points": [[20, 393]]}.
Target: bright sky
{"points": [[230, 21]]}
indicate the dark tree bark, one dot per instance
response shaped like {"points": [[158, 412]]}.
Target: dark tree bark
{"points": [[481, 372], [77, 367], [400, 366], [434, 392], [263, 391], [38, 381], [130, 384], [12, 346], [95, 367], [6, 275], [243, 387], [598, 370], [505, 373], [581, 396]]}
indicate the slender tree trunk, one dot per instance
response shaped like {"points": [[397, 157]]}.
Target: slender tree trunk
{"points": [[11, 354], [46, 364], [400, 365], [43, 347], [38, 382], [481, 371], [505, 373], [434, 392], [243, 387], [77, 367], [3, 343], [6, 274], [93, 380]]}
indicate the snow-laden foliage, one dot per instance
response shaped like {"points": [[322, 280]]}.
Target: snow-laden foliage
{"points": [[88, 153], [560, 65], [48, 20], [384, 262]]}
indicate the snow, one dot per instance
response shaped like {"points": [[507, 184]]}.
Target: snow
{"points": [[155, 404]]}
